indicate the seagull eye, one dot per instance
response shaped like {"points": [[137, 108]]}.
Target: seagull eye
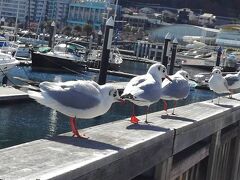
{"points": [[163, 70], [159, 68], [115, 94]]}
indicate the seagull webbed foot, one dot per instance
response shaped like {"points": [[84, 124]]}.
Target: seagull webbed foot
{"points": [[134, 119]]}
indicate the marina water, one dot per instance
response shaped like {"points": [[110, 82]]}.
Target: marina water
{"points": [[28, 121]]}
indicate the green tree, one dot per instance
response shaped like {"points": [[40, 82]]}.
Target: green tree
{"points": [[67, 30], [88, 29], [77, 30]]}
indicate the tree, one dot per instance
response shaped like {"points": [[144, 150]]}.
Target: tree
{"points": [[77, 30], [67, 30], [88, 29]]}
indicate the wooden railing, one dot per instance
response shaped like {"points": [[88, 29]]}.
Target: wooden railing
{"points": [[200, 142]]}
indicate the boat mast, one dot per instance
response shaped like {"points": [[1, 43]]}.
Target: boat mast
{"points": [[16, 22], [29, 14]]}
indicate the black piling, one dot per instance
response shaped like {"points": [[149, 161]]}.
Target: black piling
{"points": [[106, 51], [2, 21], [99, 40], [166, 49], [52, 34], [173, 56], [219, 54]]}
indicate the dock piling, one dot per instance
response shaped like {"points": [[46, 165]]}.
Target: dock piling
{"points": [[219, 53], [106, 51], [173, 56], [99, 41], [166, 49], [52, 34]]}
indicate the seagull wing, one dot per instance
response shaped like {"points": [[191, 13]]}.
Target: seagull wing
{"points": [[79, 94], [225, 84], [134, 83], [231, 80]]}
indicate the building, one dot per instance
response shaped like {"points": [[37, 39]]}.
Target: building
{"points": [[38, 10], [10, 9], [54, 10], [92, 12], [229, 35], [206, 19]]}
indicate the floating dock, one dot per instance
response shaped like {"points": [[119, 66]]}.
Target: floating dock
{"points": [[9, 93], [202, 141]]}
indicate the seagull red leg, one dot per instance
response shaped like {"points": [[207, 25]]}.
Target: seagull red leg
{"points": [[165, 106], [134, 119], [75, 132]]}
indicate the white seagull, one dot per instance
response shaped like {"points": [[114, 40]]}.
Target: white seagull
{"points": [[145, 90], [76, 99], [233, 81], [217, 83], [176, 90]]}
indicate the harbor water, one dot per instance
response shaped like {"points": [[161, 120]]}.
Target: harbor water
{"points": [[28, 121]]}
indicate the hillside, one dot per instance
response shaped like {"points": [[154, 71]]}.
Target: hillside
{"points": [[218, 7]]}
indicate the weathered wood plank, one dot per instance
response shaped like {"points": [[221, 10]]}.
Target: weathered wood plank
{"points": [[236, 160], [214, 147], [118, 149], [162, 171], [189, 162]]}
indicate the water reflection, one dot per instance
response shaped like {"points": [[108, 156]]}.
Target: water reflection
{"points": [[52, 126]]}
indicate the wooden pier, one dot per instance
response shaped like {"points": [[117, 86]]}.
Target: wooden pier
{"points": [[201, 142]]}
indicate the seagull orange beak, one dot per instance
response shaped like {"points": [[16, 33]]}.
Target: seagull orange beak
{"points": [[168, 78]]}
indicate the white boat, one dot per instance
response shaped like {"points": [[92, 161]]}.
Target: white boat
{"points": [[115, 59], [7, 62]]}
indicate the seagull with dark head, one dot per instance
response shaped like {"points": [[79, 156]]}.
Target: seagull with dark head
{"points": [[76, 99], [146, 89]]}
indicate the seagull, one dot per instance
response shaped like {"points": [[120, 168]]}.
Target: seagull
{"points": [[178, 89], [217, 83], [76, 99], [145, 90], [233, 81]]}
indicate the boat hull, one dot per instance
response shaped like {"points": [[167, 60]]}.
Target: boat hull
{"points": [[42, 61]]}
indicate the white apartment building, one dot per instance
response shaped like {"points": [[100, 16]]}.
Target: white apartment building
{"points": [[10, 9], [56, 10]]}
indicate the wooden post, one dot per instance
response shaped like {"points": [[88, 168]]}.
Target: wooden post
{"points": [[99, 38], [146, 50], [43, 38], [215, 143], [236, 161], [219, 53], [166, 49], [105, 51], [162, 171], [138, 49], [90, 43], [2, 21], [173, 56], [52, 34]]}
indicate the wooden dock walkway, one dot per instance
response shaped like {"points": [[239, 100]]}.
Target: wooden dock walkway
{"points": [[201, 142]]}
